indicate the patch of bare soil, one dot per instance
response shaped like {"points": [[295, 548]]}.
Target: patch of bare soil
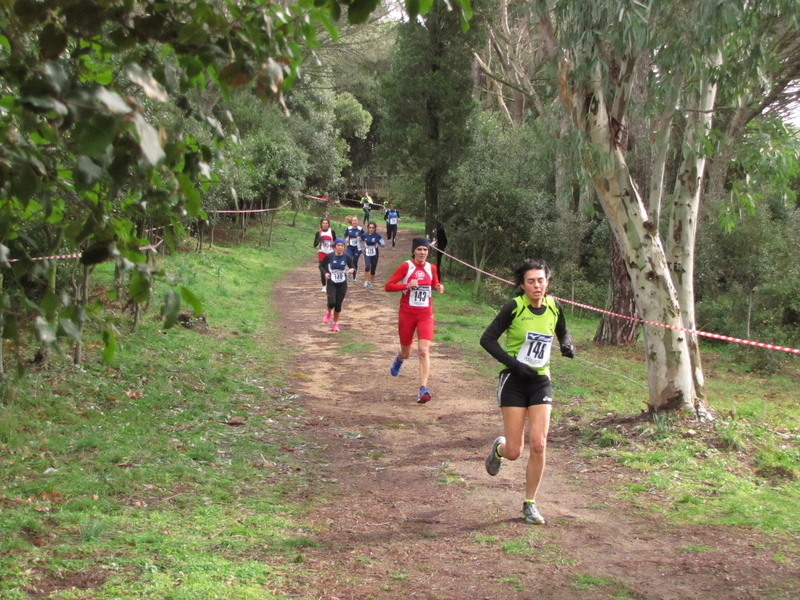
{"points": [[415, 515]]}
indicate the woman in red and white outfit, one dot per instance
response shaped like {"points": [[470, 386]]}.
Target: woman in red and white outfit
{"points": [[324, 240], [416, 279]]}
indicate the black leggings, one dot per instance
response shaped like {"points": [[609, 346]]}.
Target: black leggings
{"points": [[336, 294], [354, 254], [391, 232], [370, 264], [322, 272]]}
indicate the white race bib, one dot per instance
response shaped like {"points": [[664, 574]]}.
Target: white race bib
{"points": [[326, 246], [535, 351], [370, 250], [353, 241], [420, 297], [338, 276], [392, 220]]}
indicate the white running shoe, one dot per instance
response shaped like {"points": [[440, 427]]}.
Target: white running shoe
{"points": [[531, 514], [494, 462]]}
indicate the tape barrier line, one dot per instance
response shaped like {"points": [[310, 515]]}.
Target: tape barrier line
{"points": [[254, 210], [713, 336], [79, 254], [149, 247]]}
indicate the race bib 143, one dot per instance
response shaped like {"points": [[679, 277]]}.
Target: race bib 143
{"points": [[420, 297]]}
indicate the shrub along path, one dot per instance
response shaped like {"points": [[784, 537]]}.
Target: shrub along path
{"points": [[413, 513]]}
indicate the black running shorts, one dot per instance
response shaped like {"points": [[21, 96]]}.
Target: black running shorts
{"points": [[516, 391]]}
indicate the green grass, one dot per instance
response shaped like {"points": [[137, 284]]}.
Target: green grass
{"points": [[611, 588], [137, 477]]}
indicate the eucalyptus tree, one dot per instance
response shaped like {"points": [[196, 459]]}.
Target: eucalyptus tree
{"points": [[685, 47], [519, 82]]}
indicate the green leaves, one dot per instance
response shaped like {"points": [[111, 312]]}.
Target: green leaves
{"points": [[193, 34], [139, 287], [109, 345], [94, 135], [170, 308], [45, 331], [188, 296], [24, 182], [98, 253], [360, 10], [52, 41]]}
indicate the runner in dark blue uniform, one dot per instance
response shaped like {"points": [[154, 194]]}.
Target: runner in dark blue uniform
{"points": [[353, 240], [391, 216], [337, 265], [372, 240]]}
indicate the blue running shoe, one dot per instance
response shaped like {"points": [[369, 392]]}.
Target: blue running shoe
{"points": [[424, 395], [396, 365]]}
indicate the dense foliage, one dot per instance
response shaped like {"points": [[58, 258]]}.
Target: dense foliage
{"points": [[112, 126], [427, 103]]}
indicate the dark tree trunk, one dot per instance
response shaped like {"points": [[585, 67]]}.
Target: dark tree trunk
{"points": [[441, 244], [616, 331], [431, 202]]}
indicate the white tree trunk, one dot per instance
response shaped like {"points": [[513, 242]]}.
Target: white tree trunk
{"points": [[669, 370], [660, 149], [683, 216]]}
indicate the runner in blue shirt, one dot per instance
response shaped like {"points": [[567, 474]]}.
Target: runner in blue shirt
{"points": [[372, 240], [336, 265], [353, 240], [391, 216]]}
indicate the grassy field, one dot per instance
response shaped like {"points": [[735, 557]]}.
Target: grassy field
{"points": [[181, 470]]}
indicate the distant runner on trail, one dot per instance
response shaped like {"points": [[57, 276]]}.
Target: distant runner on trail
{"points": [[366, 206], [417, 279], [337, 265], [391, 215], [324, 240], [372, 240], [531, 321], [353, 238]]}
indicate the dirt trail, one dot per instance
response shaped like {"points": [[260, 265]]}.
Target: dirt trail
{"points": [[415, 515]]}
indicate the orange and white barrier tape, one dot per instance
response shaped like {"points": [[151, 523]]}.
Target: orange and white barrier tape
{"points": [[714, 336], [79, 254], [252, 210]]}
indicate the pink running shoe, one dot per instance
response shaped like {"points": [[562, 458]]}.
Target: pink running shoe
{"points": [[335, 328], [327, 317]]}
